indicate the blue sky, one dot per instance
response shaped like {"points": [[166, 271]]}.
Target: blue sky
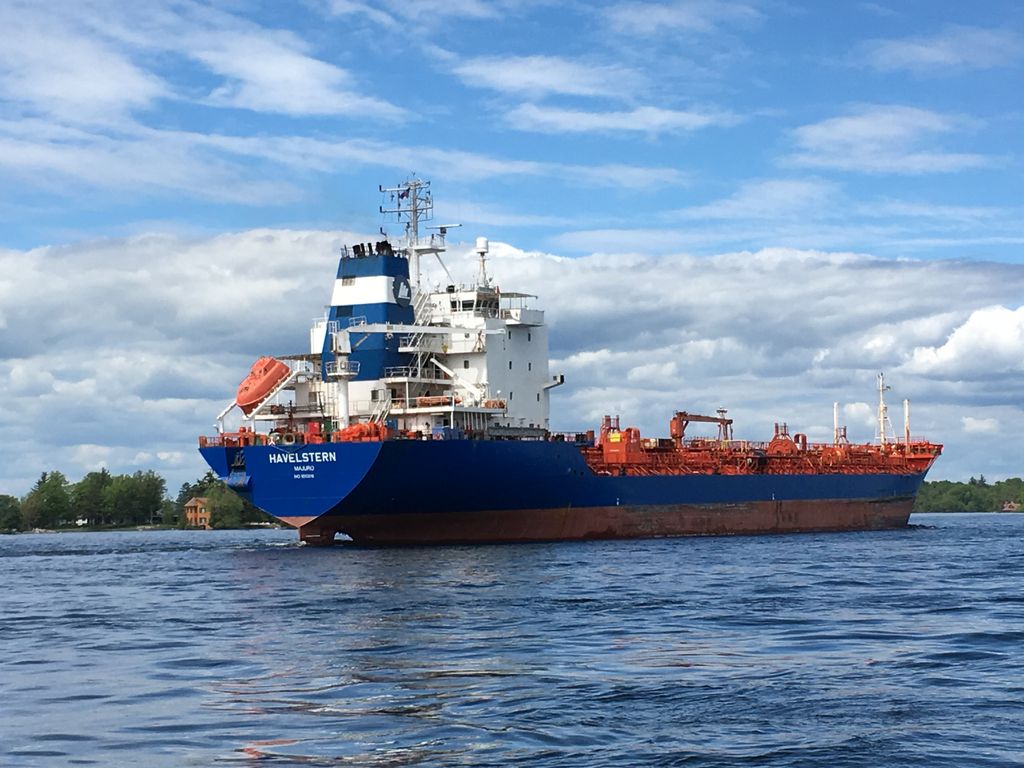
{"points": [[862, 159]]}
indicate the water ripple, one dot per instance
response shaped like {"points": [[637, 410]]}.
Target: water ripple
{"points": [[893, 648]]}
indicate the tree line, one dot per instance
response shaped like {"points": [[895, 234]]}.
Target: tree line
{"points": [[976, 495], [102, 500]]}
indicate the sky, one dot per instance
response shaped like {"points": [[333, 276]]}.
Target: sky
{"points": [[750, 204]]}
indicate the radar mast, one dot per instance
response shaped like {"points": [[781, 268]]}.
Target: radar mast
{"points": [[413, 204]]}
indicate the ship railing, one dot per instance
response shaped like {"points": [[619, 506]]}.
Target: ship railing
{"points": [[356, 321], [576, 438], [343, 368], [332, 326], [414, 340], [300, 366], [421, 344]]}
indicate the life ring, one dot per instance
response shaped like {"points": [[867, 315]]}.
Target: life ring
{"points": [[288, 438]]}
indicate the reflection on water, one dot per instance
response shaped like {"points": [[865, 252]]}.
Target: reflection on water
{"points": [[190, 648]]}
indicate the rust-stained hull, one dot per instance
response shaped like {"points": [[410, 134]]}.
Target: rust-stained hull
{"points": [[614, 522]]}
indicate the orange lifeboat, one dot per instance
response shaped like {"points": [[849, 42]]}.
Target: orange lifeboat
{"points": [[266, 373]]}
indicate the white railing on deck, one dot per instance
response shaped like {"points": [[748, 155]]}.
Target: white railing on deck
{"points": [[343, 367]]}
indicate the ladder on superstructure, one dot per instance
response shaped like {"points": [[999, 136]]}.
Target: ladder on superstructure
{"points": [[421, 362], [382, 409], [419, 311]]}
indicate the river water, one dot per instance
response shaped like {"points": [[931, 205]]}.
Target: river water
{"points": [[899, 648]]}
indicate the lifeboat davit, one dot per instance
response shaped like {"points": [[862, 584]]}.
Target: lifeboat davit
{"points": [[266, 373]]}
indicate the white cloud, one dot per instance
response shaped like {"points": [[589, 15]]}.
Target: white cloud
{"points": [[51, 67], [219, 167], [370, 11], [621, 240], [956, 47], [148, 161], [983, 426], [91, 457], [386, 12], [990, 341], [271, 72], [74, 63], [861, 415], [651, 120], [690, 16], [924, 210], [542, 75], [881, 139], [29, 379], [768, 199]]}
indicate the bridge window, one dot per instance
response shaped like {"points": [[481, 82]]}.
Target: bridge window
{"points": [[510, 365], [465, 363]]}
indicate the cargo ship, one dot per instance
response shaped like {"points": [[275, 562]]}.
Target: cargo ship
{"points": [[420, 415]]}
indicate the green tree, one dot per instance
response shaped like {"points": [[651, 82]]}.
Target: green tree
{"points": [[10, 514], [211, 483], [48, 504], [976, 495], [225, 507], [87, 497], [168, 512], [134, 499]]}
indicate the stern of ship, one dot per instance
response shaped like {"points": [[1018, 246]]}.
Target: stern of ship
{"points": [[299, 485]]}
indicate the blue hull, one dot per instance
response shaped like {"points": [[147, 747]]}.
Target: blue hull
{"points": [[407, 491]]}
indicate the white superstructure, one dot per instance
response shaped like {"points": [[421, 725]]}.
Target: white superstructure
{"points": [[474, 358]]}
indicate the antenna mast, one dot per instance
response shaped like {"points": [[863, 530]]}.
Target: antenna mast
{"points": [[413, 203]]}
